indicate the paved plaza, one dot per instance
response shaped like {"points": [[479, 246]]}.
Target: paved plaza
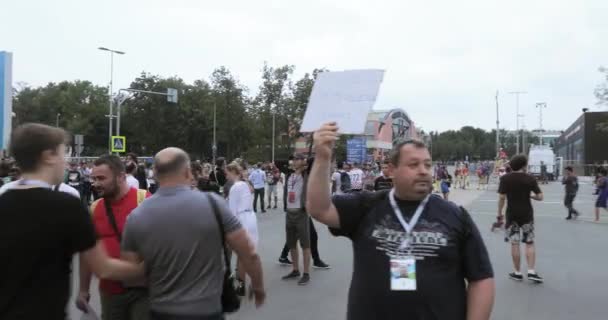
{"points": [[572, 257]]}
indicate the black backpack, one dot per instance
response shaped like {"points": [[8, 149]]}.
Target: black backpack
{"points": [[345, 184]]}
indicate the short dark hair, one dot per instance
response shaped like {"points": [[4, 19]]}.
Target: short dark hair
{"points": [[131, 168], [220, 162], [395, 155], [518, 162], [172, 166], [30, 140], [132, 156], [386, 161], [112, 161], [569, 168]]}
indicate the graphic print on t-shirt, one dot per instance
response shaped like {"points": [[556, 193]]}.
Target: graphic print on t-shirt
{"points": [[426, 240]]}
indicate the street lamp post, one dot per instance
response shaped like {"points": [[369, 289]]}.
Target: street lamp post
{"points": [[497, 128], [273, 134], [111, 115], [171, 97], [517, 116], [540, 106], [214, 147], [57, 120]]}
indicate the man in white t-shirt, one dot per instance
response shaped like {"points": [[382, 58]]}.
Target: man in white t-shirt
{"points": [[62, 187], [336, 179], [356, 178]]}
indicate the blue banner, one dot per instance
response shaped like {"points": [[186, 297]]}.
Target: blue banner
{"points": [[356, 150], [6, 98]]}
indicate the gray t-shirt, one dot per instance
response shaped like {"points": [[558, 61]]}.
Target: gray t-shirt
{"points": [[176, 234], [571, 183]]}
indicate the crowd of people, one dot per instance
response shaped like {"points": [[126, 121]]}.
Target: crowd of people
{"points": [[160, 234]]}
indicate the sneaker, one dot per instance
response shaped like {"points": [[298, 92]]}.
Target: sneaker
{"points": [[263, 211], [292, 275], [568, 218], [534, 277], [240, 288], [321, 265], [304, 280], [275, 207], [285, 261], [268, 208], [516, 277]]}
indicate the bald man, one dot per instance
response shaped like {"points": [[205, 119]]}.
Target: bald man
{"points": [[176, 232]]}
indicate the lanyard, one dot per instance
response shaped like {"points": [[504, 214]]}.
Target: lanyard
{"points": [[293, 180], [407, 227], [37, 183]]}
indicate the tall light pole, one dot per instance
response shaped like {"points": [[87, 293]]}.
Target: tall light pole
{"points": [[540, 106], [273, 134], [517, 116], [57, 120], [111, 115], [214, 147], [497, 127]]}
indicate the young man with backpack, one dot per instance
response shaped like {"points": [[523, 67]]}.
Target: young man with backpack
{"points": [[341, 180], [109, 214], [416, 256]]}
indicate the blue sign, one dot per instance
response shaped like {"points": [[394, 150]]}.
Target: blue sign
{"points": [[6, 98], [356, 150]]}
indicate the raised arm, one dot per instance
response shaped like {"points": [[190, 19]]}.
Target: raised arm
{"points": [[318, 200]]}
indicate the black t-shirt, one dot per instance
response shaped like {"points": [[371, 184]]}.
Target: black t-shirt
{"points": [[74, 178], [218, 176], [447, 245], [40, 232], [383, 183], [518, 186]]}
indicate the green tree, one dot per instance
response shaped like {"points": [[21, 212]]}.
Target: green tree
{"points": [[79, 106]]}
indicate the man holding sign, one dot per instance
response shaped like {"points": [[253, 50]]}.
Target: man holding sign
{"points": [[415, 254]]}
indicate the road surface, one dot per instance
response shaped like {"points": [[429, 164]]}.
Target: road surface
{"points": [[572, 257]]}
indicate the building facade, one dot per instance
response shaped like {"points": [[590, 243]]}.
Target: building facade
{"points": [[383, 129], [584, 142]]}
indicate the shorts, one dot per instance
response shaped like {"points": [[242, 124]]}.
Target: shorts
{"points": [[517, 234], [445, 188], [602, 201], [297, 228], [272, 189]]}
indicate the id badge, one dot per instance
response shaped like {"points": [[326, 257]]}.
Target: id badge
{"points": [[403, 274], [291, 197]]}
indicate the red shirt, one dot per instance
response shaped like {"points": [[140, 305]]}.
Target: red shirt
{"points": [[121, 209]]}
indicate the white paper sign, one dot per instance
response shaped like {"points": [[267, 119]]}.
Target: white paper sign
{"points": [[345, 97]]}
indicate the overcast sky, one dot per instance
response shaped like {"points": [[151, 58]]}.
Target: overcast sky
{"points": [[444, 59]]}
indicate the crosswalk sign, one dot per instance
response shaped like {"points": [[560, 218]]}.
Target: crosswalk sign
{"points": [[119, 144]]}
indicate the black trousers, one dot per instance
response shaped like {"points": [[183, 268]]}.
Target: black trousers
{"points": [[314, 244], [568, 202], [163, 316], [258, 193]]}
